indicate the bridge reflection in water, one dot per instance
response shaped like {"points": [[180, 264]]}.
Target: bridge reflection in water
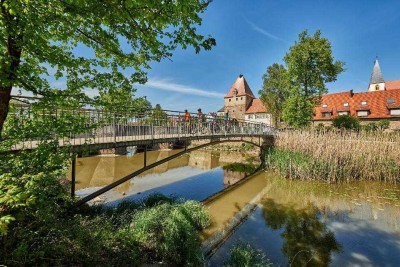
{"points": [[196, 171]]}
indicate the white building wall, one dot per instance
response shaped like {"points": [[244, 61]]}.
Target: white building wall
{"points": [[259, 117], [376, 87]]}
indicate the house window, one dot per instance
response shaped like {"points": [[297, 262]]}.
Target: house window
{"points": [[230, 100], [241, 98], [345, 104], [362, 113], [395, 112], [324, 105], [390, 100], [363, 103], [326, 114], [250, 116], [236, 99], [340, 113]]}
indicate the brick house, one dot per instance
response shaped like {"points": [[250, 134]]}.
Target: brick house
{"points": [[381, 101], [241, 104]]}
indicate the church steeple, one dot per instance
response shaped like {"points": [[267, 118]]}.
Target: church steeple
{"points": [[377, 83]]}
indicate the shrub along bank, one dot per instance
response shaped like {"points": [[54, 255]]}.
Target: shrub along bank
{"points": [[336, 156]]}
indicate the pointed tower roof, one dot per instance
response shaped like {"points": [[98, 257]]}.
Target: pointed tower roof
{"points": [[240, 88], [376, 76]]}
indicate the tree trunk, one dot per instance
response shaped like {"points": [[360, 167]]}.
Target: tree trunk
{"points": [[5, 94]]}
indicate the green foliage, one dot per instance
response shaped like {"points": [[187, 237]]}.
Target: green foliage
{"points": [[384, 124], [298, 109], [346, 122], [244, 255], [240, 167], [169, 232], [120, 40], [370, 127], [276, 89], [154, 229], [310, 64]]}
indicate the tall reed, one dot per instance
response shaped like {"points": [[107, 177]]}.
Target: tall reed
{"points": [[336, 156]]}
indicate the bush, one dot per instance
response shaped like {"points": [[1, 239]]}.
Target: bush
{"points": [[384, 124], [346, 122], [243, 255], [132, 234]]}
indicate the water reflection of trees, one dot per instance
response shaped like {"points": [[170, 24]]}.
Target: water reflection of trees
{"points": [[306, 240]]}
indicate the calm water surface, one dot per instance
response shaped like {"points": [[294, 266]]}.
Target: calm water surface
{"points": [[295, 223], [196, 175], [300, 223]]}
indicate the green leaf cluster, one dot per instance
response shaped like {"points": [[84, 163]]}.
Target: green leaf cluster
{"points": [[117, 40], [292, 91], [346, 122]]}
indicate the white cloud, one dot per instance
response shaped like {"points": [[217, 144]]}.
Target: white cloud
{"points": [[167, 85], [264, 32]]}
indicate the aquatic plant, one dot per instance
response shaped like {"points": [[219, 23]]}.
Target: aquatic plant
{"points": [[240, 167], [336, 156], [244, 255]]}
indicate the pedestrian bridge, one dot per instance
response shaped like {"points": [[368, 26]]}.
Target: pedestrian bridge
{"points": [[81, 130], [90, 129]]}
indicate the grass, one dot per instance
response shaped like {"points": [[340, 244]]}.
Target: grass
{"points": [[336, 156], [155, 229], [244, 255]]}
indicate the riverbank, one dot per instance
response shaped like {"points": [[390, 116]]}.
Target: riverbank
{"points": [[336, 156]]}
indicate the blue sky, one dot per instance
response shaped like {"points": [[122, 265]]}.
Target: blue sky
{"points": [[252, 35]]}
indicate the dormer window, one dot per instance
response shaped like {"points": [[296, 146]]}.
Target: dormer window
{"points": [[324, 105], [390, 100], [235, 92], [345, 104], [364, 103], [326, 114]]}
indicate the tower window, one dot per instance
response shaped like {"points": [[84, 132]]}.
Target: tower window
{"points": [[377, 87], [230, 100], [236, 99]]}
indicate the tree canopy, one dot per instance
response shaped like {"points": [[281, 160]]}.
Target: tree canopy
{"points": [[310, 64], [276, 90], [84, 44]]}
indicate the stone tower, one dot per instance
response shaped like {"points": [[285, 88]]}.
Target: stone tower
{"points": [[238, 98], [377, 83]]}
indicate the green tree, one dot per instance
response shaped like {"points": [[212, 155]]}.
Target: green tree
{"points": [[297, 110], [40, 39], [346, 122], [275, 91], [310, 65], [384, 124]]}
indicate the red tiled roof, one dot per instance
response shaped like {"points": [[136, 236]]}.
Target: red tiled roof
{"points": [[376, 103], [256, 106], [242, 88], [392, 85]]}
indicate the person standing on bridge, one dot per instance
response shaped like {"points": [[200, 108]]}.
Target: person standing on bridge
{"points": [[187, 118], [200, 116]]}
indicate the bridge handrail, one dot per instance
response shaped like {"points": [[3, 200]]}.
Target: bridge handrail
{"points": [[95, 126]]}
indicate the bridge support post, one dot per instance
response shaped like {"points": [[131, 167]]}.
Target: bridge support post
{"points": [[145, 157], [73, 176], [268, 142]]}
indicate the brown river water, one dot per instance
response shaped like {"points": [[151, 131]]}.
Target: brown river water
{"points": [[295, 223]]}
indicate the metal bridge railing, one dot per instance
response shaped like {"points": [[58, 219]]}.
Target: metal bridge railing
{"points": [[92, 126]]}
